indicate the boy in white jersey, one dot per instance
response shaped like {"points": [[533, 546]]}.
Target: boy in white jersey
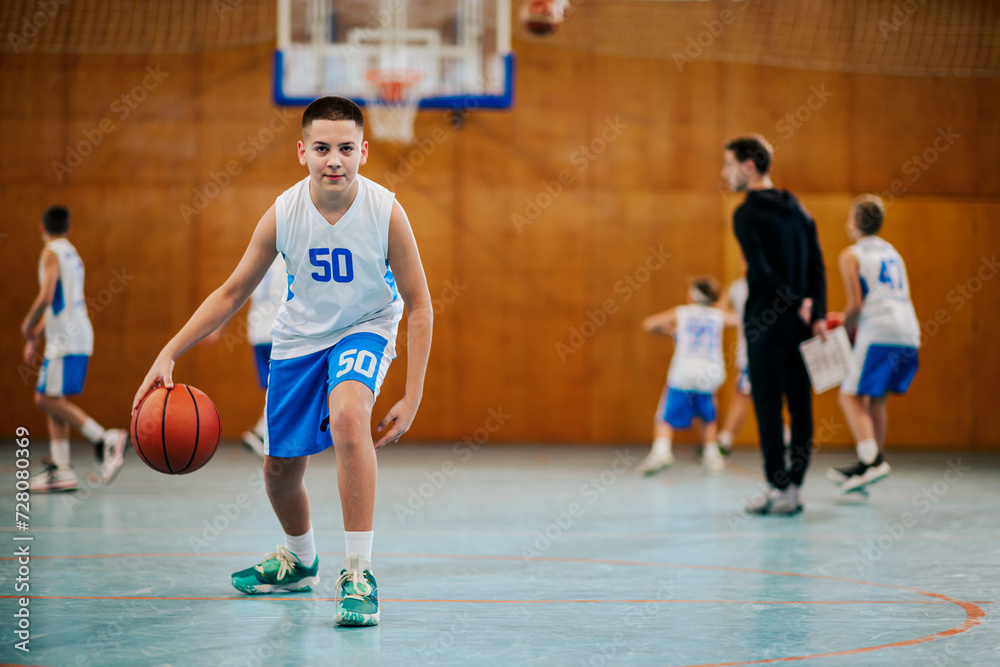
{"points": [[352, 264], [60, 312], [886, 336], [741, 402], [264, 303], [696, 372]]}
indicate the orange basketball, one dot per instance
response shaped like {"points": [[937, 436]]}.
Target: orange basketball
{"points": [[175, 431], [542, 17]]}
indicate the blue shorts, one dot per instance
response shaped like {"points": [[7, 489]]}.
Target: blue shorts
{"points": [[298, 392], [62, 376], [886, 368], [262, 353], [743, 381], [682, 406]]}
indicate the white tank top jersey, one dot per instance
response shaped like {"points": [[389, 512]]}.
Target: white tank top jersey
{"points": [[67, 325], [339, 280], [887, 314], [697, 364], [265, 302], [738, 292]]}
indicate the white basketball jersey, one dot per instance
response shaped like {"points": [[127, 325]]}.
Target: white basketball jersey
{"points": [[339, 280], [697, 364], [738, 292], [67, 325], [887, 314], [265, 302]]}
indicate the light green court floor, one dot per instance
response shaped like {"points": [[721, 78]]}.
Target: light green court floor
{"points": [[518, 555]]}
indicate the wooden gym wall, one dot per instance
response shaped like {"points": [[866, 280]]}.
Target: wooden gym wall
{"points": [[548, 232]]}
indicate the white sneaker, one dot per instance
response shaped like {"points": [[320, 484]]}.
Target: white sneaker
{"points": [[712, 459], [870, 475], [655, 462], [54, 478], [254, 442], [774, 503], [115, 442]]}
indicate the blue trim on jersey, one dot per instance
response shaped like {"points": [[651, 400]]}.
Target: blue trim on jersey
{"points": [[887, 368], [864, 287], [683, 406], [262, 355], [390, 280], [289, 296], [298, 406], [58, 300]]}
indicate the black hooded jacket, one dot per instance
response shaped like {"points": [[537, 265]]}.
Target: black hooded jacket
{"points": [[784, 264]]}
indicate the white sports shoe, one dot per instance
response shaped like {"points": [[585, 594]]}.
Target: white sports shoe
{"points": [[115, 442], [870, 475], [712, 459], [254, 442], [54, 478], [655, 462]]}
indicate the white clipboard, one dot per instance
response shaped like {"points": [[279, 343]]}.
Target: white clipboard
{"points": [[828, 363]]}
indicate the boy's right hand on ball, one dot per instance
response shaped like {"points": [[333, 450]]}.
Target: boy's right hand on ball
{"points": [[161, 374]]}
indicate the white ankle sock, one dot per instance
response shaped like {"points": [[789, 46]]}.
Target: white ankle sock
{"points": [[359, 542], [92, 431], [59, 450], [726, 440], [661, 446], [303, 546], [867, 451]]}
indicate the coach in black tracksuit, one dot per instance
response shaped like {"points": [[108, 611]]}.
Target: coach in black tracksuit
{"points": [[786, 304]]}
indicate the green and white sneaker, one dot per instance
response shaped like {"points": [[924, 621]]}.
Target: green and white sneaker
{"points": [[357, 593], [280, 572]]}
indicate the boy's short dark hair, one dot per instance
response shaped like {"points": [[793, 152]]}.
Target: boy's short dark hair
{"points": [[708, 287], [753, 147], [55, 220], [869, 212], [333, 107]]}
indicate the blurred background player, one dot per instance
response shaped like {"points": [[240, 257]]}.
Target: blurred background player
{"points": [[886, 333], [60, 311], [265, 301], [697, 370], [737, 297]]}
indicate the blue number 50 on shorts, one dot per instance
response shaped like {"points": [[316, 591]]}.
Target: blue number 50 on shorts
{"points": [[298, 407]]}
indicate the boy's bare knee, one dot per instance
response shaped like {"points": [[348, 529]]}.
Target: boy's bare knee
{"points": [[350, 427]]}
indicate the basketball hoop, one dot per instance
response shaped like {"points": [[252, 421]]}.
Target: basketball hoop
{"points": [[392, 104]]}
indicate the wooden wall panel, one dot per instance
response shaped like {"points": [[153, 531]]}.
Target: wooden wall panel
{"points": [[506, 289]]}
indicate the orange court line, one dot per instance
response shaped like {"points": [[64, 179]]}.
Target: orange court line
{"points": [[304, 598]]}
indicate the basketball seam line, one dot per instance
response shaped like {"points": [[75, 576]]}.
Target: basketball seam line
{"points": [[163, 432], [197, 427]]}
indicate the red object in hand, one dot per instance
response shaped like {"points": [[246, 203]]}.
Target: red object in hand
{"points": [[834, 320]]}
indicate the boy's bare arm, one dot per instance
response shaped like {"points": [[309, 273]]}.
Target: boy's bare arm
{"points": [[852, 287], [219, 306], [33, 322], [404, 260], [661, 323]]}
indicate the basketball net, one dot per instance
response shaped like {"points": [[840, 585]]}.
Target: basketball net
{"points": [[392, 104]]}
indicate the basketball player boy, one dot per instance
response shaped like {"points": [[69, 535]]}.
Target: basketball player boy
{"points": [[887, 336], [60, 311], [738, 407], [697, 370], [352, 265]]}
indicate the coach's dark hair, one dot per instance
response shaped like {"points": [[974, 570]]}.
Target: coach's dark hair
{"points": [[55, 220], [869, 212], [753, 147], [333, 107], [709, 288]]}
